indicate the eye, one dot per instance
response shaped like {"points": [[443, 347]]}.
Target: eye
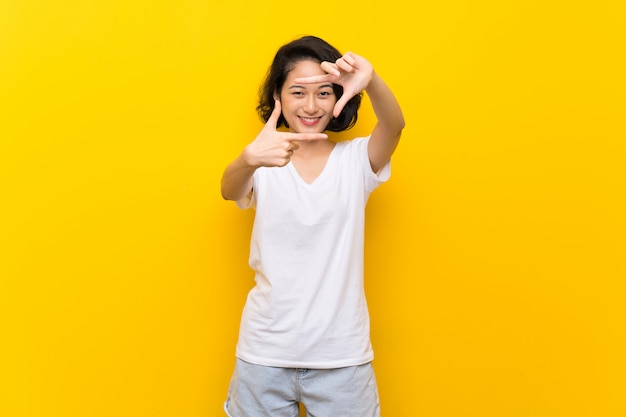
{"points": [[325, 93]]}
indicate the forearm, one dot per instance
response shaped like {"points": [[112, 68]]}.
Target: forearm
{"points": [[237, 179], [387, 132], [385, 105]]}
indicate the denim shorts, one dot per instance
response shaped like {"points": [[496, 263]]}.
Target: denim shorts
{"points": [[264, 391]]}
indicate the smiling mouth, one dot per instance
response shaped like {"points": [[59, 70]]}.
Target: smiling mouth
{"points": [[309, 120]]}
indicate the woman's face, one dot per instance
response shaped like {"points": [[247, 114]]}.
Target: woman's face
{"points": [[307, 108]]}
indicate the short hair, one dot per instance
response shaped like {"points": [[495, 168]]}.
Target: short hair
{"points": [[305, 48]]}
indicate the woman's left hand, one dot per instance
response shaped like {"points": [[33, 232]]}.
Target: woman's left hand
{"points": [[351, 71]]}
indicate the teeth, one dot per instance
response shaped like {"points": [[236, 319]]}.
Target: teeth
{"points": [[309, 120]]}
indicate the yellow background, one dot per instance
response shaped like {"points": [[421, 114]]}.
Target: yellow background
{"points": [[495, 254]]}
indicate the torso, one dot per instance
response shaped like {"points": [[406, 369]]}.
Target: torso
{"points": [[308, 307]]}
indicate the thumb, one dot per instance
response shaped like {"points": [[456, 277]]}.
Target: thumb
{"points": [[340, 105], [273, 119]]}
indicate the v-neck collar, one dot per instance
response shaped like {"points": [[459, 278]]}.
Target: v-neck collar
{"points": [[322, 174]]}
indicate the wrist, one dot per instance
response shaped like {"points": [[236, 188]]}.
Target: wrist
{"points": [[247, 159], [373, 83]]}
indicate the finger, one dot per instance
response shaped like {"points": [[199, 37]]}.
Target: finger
{"points": [[350, 58], [293, 146], [330, 68], [273, 120], [341, 103], [344, 65], [314, 79], [307, 136]]}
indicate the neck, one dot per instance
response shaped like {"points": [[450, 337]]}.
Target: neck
{"points": [[313, 149]]}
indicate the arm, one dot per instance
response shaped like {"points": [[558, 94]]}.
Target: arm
{"points": [[237, 179], [387, 132], [270, 148], [355, 74]]}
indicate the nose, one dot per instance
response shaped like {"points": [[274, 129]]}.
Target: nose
{"points": [[311, 104]]}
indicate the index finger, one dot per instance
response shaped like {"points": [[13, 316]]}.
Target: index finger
{"points": [[303, 137], [314, 79]]}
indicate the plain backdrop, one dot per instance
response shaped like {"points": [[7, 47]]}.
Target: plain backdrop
{"points": [[495, 255]]}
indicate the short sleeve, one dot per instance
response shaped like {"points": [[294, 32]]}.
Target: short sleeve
{"points": [[250, 199]]}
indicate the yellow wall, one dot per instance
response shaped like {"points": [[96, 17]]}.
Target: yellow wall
{"points": [[495, 255]]}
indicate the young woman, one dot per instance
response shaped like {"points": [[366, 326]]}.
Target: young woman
{"points": [[304, 335]]}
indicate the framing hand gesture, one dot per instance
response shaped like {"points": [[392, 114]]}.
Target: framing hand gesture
{"points": [[353, 72], [272, 148]]}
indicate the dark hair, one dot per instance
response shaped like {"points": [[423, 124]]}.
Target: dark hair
{"points": [[305, 48]]}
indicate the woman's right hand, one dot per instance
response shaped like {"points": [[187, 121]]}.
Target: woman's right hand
{"points": [[272, 148]]}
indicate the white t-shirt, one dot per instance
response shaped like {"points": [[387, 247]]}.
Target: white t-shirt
{"points": [[308, 307]]}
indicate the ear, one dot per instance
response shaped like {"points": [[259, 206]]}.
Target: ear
{"points": [[276, 95]]}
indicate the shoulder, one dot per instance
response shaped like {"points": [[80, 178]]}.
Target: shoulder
{"points": [[353, 145]]}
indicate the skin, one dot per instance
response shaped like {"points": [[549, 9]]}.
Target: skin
{"points": [[307, 103]]}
